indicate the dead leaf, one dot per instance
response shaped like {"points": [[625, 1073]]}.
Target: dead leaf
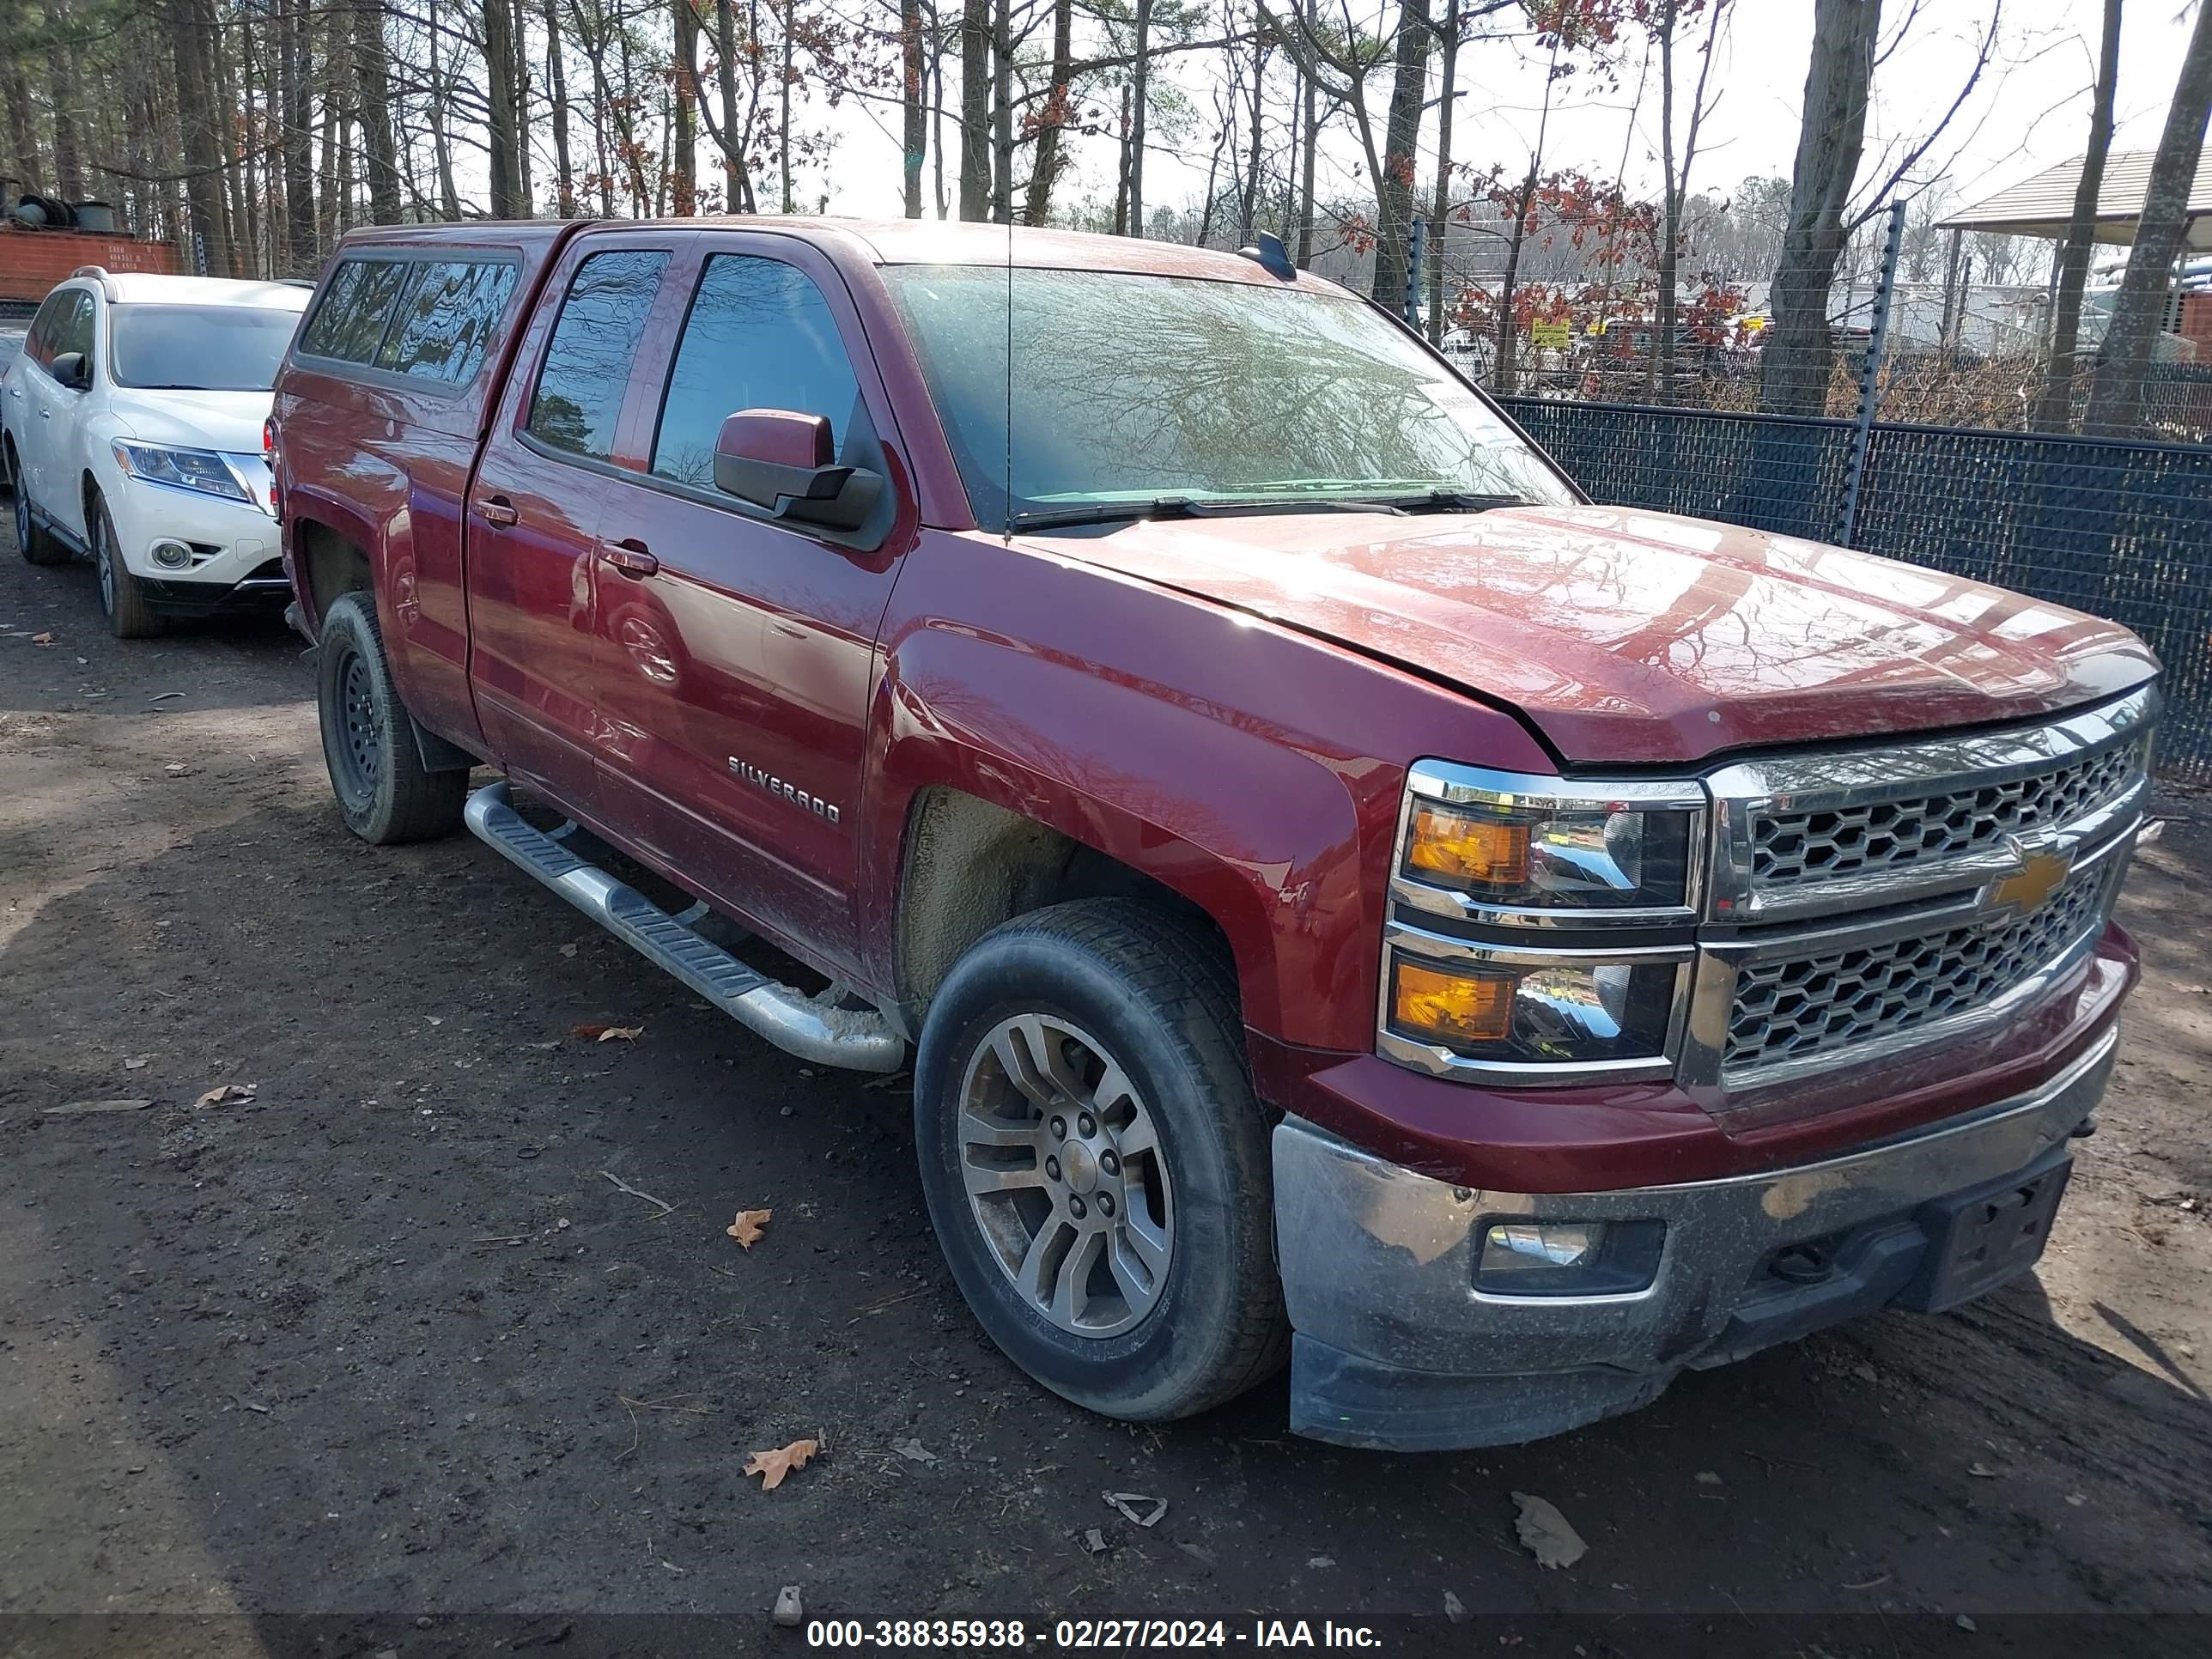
{"points": [[1547, 1534], [746, 1230], [608, 1033], [1982, 1469], [136, 1065], [42, 638], [773, 1465], [228, 1094], [913, 1451]]}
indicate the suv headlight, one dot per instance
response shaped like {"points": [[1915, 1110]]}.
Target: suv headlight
{"points": [[201, 469], [1510, 954]]}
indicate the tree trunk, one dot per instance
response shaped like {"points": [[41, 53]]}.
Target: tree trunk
{"points": [[783, 118], [1249, 224], [737, 177], [504, 192], [224, 87], [296, 145], [15, 91], [441, 149], [1002, 113], [686, 136], [974, 109], [372, 75], [64, 89], [2115, 400], [1121, 172], [1798, 354], [556, 82], [2056, 411], [1306, 178], [914, 130], [1140, 81], [1440, 207], [1402, 133], [936, 116], [1505, 368], [1047, 167], [191, 22]]}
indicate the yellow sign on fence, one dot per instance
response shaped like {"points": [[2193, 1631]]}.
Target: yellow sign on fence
{"points": [[1550, 334]]}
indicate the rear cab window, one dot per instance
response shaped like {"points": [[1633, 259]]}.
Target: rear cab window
{"points": [[577, 404], [430, 320]]}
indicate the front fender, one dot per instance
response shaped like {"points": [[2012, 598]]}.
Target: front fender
{"points": [[1254, 771]]}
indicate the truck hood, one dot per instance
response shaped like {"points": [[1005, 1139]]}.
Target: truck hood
{"points": [[228, 421], [1626, 636]]}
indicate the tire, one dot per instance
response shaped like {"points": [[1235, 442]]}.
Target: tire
{"points": [[31, 540], [1174, 1169], [122, 595], [383, 792]]}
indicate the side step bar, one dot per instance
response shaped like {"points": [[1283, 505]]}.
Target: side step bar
{"points": [[793, 1021]]}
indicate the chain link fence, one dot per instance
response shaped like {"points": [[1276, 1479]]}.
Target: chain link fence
{"points": [[2119, 528]]}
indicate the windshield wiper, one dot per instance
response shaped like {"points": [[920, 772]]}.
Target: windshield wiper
{"points": [[1182, 507], [1459, 501]]}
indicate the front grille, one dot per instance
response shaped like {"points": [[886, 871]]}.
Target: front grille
{"points": [[1785, 1010], [1793, 849]]}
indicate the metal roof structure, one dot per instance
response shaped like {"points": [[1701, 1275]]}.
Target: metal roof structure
{"points": [[2042, 206]]}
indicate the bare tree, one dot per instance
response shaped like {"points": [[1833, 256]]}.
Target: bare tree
{"points": [[2115, 399], [2056, 411], [1663, 19]]}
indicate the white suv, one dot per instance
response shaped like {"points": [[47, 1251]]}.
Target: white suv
{"points": [[131, 427]]}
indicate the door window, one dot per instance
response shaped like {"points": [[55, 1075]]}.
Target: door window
{"points": [[446, 322], [579, 391], [73, 327], [760, 336]]}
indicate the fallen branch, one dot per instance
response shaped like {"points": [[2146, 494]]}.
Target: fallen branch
{"points": [[667, 1208]]}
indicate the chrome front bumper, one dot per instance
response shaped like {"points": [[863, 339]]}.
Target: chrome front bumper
{"points": [[1396, 1348]]}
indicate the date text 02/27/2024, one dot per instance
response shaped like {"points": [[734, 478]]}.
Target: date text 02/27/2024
{"points": [[1078, 1635]]}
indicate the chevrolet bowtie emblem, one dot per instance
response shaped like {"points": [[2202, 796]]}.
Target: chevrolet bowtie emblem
{"points": [[2043, 870]]}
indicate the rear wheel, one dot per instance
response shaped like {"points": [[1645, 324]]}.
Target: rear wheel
{"points": [[122, 595], [1095, 1162], [31, 539], [383, 791]]}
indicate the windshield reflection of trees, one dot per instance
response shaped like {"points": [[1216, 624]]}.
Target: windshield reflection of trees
{"points": [[1142, 385]]}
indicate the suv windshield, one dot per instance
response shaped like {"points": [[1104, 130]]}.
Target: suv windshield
{"points": [[198, 348], [1129, 389]]}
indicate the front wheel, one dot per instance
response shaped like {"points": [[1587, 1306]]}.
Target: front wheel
{"points": [[383, 790], [122, 595], [1095, 1162]]}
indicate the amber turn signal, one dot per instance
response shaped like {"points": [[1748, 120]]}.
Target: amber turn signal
{"points": [[1468, 849], [1453, 1007]]}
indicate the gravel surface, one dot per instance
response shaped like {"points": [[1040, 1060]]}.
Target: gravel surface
{"points": [[388, 1340]]}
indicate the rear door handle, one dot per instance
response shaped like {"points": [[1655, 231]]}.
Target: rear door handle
{"points": [[630, 558], [496, 510]]}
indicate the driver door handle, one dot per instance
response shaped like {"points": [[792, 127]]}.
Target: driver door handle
{"points": [[630, 558], [496, 510]]}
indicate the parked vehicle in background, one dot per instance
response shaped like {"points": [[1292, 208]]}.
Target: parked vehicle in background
{"points": [[132, 426], [14, 323], [1345, 895]]}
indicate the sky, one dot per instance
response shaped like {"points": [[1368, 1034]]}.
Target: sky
{"points": [[2030, 110]]}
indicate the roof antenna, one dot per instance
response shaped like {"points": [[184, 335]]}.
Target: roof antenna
{"points": [[1272, 257]]}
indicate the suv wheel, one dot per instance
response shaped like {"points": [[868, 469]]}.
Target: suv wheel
{"points": [[1095, 1162], [368, 741], [122, 595], [31, 540]]}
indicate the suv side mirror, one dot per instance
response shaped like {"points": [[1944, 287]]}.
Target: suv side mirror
{"points": [[73, 369], [782, 461]]}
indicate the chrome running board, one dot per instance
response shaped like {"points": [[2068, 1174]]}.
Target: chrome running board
{"points": [[800, 1024]]}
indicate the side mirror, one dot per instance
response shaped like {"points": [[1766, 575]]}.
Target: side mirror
{"points": [[783, 462], [73, 369]]}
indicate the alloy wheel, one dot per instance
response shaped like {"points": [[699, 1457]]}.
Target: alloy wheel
{"points": [[1062, 1165]]}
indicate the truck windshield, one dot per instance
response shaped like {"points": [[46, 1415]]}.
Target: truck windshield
{"points": [[199, 348], [1130, 389]]}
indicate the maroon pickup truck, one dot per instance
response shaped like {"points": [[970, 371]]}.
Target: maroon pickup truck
{"points": [[1349, 899]]}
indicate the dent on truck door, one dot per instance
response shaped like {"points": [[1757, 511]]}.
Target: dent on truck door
{"points": [[533, 518], [736, 652]]}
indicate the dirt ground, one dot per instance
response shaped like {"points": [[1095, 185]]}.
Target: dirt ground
{"points": [[395, 1344]]}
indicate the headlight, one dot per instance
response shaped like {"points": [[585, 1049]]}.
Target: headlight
{"points": [[1542, 929], [1516, 851], [1516, 1008], [201, 469]]}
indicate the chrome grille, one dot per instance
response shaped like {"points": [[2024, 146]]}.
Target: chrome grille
{"points": [[1787, 1008], [1792, 849]]}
